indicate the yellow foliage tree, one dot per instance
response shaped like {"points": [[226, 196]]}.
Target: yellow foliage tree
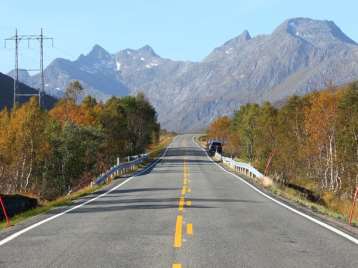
{"points": [[219, 129], [321, 126], [27, 144]]}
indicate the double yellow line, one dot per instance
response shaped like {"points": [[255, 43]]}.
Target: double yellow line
{"points": [[178, 236]]}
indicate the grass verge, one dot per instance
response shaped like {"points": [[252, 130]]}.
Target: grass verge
{"points": [[296, 197]]}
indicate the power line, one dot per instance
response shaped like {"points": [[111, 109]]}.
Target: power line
{"points": [[33, 37]]}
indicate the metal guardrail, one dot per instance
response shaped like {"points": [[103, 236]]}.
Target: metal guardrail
{"points": [[121, 168], [243, 168]]}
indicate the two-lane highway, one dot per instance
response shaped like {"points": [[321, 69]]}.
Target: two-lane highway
{"points": [[185, 212]]}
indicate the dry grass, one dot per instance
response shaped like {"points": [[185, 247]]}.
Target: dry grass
{"points": [[156, 149], [332, 202], [340, 212]]}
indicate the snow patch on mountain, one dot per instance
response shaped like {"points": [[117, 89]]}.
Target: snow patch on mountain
{"points": [[118, 65]]}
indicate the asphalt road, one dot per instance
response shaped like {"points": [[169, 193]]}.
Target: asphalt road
{"points": [[185, 212]]}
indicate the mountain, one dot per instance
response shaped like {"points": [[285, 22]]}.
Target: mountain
{"points": [[96, 71], [299, 56], [24, 76], [7, 93]]}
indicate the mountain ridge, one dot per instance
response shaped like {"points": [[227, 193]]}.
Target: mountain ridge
{"points": [[299, 56]]}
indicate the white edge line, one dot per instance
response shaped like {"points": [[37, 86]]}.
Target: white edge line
{"points": [[322, 224], [17, 234]]}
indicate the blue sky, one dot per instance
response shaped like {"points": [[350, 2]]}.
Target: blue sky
{"points": [[177, 29]]}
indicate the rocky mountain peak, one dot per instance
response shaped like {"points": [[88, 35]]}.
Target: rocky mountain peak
{"points": [[147, 50], [230, 46], [316, 32], [98, 52], [244, 36], [135, 54]]}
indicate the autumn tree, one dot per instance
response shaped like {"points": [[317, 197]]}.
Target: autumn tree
{"points": [[219, 128], [347, 137], [112, 119], [5, 158], [321, 126], [26, 133], [311, 138], [245, 123], [267, 141], [73, 91], [290, 159], [141, 122], [50, 153], [85, 114]]}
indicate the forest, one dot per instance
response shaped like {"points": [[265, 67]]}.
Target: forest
{"points": [[309, 140], [46, 153]]}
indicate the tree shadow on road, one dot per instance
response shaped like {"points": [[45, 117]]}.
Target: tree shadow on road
{"points": [[121, 204], [174, 158]]}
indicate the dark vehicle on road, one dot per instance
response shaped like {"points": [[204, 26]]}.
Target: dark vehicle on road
{"points": [[214, 146]]}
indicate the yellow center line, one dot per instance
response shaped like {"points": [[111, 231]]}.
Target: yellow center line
{"points": [[189, 190], [176, 265], [189, 229], [178, 236], [178, 232], [183, 191], [181, 203]]}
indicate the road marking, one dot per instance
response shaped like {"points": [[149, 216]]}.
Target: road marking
{"points": [[176, 265], [17, 234], [189, 229], [183, 191], [178, 232], [181, 203], [322, 224], [189, 190], [188, 203]]}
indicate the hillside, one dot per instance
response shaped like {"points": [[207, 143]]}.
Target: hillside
{"points": [[7, 93]]}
